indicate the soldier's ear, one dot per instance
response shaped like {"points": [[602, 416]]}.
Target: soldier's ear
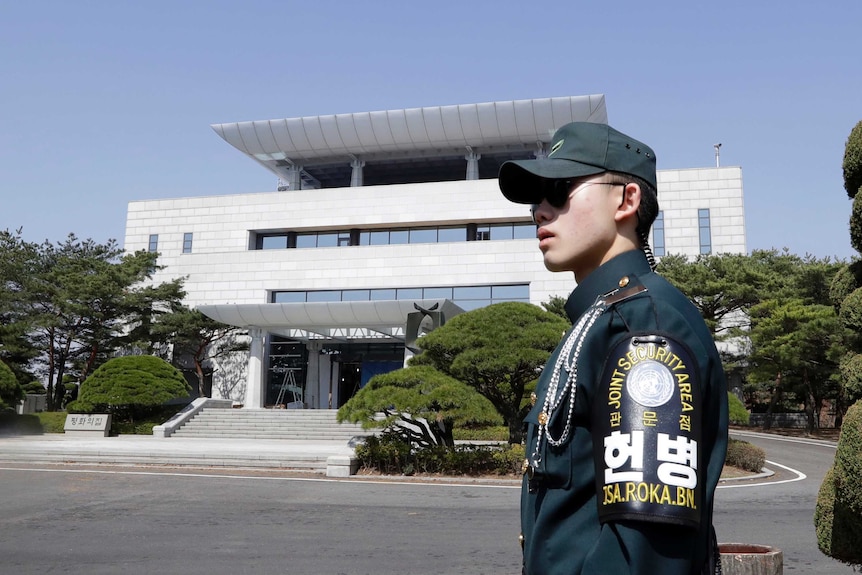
{"points": [[630, 201]]}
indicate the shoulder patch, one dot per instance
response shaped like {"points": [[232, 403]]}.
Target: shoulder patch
{"points": [[647, 432]]}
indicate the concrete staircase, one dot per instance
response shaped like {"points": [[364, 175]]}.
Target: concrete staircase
{"points": [[293, 424]]}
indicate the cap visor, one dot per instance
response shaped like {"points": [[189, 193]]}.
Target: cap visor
{"points": [[521, 180]]}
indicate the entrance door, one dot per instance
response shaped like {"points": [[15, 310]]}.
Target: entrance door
{"points": [[349, 381]]}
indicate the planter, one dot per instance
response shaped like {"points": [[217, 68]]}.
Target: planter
{"points": [[750, 559]]}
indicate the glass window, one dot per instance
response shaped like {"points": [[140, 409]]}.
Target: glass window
{"points": [[364, 238], [438, 293], [703, 227], [343, 239], [288, 297], [409, 293], [306, 241], [382, 294], [327, 240], [658, 235], [524, 231], [501, 232], [452, 234], [324, 296], [423, 236], [187, 243], [398, 237], [380, 238], [474, 292], [273, 242], [154, 243], [511, 293], [471, 304], [483, 233], [355, 295]]}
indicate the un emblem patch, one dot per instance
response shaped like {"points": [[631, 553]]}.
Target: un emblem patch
{"points": [[650, 383]]}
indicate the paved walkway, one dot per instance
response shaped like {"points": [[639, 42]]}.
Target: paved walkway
{"points": [[311, 455]]}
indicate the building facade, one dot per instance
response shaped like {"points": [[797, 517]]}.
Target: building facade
{"points": [[382, 219]]}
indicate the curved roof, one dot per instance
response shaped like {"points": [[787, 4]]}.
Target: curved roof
{"points": [[333, 321], [438, 131]]}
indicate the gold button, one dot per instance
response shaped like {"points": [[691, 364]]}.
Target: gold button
{"points": [[543, 418], [525, 466], [521, 540], [533, 398], [624, 281]]}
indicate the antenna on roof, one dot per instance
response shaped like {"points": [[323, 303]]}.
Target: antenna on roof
{"points": [[717, 154]]}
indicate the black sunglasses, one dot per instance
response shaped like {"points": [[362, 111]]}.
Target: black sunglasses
{"points": [[558, 192]]}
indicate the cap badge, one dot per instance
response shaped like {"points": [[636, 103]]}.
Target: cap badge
{"points": [[556, 147]]}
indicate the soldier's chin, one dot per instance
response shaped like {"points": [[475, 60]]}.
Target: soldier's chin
{"points": [[555, 266]]}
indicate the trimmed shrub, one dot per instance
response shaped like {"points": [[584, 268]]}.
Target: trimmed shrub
{"points": [[387, 453], [392, 455], [130, 387], [11, 391], [838, 513], [737, 413], [745, 456]]}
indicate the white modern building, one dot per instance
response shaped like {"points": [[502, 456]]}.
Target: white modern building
{"points": [[380, 215]]}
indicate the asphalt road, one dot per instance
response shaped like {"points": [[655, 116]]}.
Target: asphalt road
{"points": [[780, 512], [72, 520]]}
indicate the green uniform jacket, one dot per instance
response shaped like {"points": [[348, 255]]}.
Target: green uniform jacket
{"points": [[560, 522]]}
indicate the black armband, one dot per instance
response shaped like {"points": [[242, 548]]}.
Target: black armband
{"points": [[646, 433]]}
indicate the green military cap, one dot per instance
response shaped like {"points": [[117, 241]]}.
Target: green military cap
{"points": [[577, 150]]}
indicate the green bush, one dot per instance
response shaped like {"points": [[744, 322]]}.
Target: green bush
{"points": [[392, 455], [745, 456], [35, 388], [52, 421], [838, 513], [387, 453], [737, 413], [130, 387], [11, 391], [491, 433]]}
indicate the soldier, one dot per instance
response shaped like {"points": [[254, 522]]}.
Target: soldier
{"points": [[628, 432]]}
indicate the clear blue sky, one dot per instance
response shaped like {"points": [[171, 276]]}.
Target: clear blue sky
{"points": [[108, 101]]}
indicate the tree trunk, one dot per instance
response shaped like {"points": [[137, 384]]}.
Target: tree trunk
{"points": [[776, 395], [50, 391], [516, 431]]}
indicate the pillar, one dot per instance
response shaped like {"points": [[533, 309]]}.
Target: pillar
{"points": [[312, 376], [472, 164], [294, 181], [254, 389], [356, 173]]}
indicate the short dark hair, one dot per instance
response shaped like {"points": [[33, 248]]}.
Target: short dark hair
{"points": [[647, 211]]}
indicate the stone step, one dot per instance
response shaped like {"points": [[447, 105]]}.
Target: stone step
{"points": [[270, 424]]}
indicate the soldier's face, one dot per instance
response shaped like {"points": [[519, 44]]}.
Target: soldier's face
{"points": [[579, 235]]}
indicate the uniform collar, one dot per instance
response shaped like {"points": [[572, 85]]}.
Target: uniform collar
{"points": [[606, 278]]}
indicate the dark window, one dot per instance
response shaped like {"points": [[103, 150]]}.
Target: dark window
{"points": [[306, 241], [423, 236], [328, 240], [398, 237], [703, 228], [288, 297], [187, 243], [452, 234], [278, 242], [524, 231], [503, 232], [658, 235]]}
